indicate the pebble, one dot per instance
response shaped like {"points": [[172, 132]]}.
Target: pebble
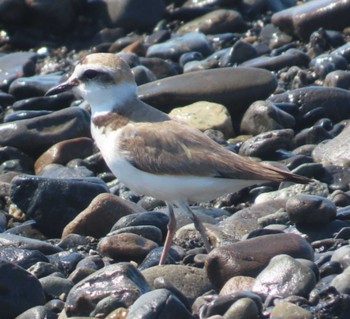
{"points": [[126, 247], [205, 116], [122, 281], [38, 312], [96, 219], [244, 308], [46, 130], [227, 86], [264, 116], [309, 209], [65, 151], [44, 199], [248, 257], [302, 20], [288, 310], [214, 22], [26, 284], [190, 281], [158, 303], [295, 278], [265, 144], [236, 284]]}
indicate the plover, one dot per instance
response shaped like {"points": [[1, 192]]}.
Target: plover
{"points": [[153, 154]]}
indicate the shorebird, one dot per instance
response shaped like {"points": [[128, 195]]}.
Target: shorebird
{"points": [[153, 154]]}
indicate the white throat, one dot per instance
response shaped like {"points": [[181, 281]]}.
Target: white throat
{"points": [[105, 99]]}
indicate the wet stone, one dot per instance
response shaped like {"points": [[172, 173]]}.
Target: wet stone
{"points": [[264, 144], [303, 19], [43, 269], [38, 312], [125, 247], [342, 282], [190, 281], [44, 199], [11, 240], [288, 310], [237, 283], [175, 47], [122, 281], [158, 303], [227, 86], [45, 131], [96, 219], [338, 78], [264, 116], [36, 85], [295, 278], [147, 231], [60, 171], [26, 285], [63, 152], [236, 259], [217, 21], [143, 75], [244, 308], [21, 257]]}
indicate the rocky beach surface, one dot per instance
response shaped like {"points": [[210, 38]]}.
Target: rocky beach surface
{"points": [[267, 79]]}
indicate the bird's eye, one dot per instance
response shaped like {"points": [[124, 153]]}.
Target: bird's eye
{"points": [[90, 74]]}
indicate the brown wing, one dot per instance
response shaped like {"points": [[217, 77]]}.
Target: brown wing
{"points": [[174, 148]]}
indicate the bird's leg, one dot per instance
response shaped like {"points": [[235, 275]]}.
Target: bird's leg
{"points": [[197, 224], [170, 234]]}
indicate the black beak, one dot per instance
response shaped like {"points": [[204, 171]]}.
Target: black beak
{"points": [[65, 86]]}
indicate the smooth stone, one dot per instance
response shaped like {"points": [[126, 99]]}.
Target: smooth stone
{"points": [[303, 19], [310, 210], [244, 308], [103, 212], [247, 219], [288, 310], [43, 269], [284, 276], [291, 57], [45, 131], [214, 22], [66, 261], [147, 231], [21, 257], [8, 153], [249, 257], [159, 303], [338, 78], [128, 14], [56, 287], [227, 86], [143, 75], [265, 144], [26, 285], [125, 247], [236, 284], [17, 241], [333, 101], [63, 152], [180, 44], [23, 115], [191, 281], [36, 85], [157, 219], [204, 116], [334, 151], [122, 281], [314, 188], [342, 256], [342, 282], [38, 312], [241, 51], [159, 67], [45, 199], [320, 232], [264, 116], [15, 65]]}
